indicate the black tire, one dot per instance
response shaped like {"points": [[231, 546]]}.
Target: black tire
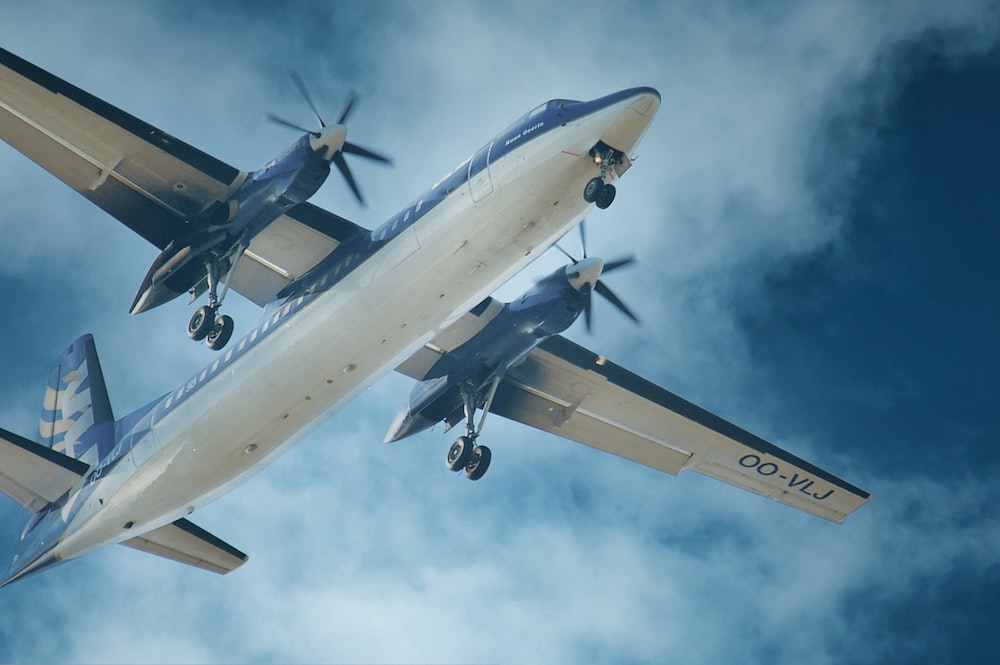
{"points": [[606, 196], [221, 332], [480, 462], [593, 190], [459, 454], [201, 323]]}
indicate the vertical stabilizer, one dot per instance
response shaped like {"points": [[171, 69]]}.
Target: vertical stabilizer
{"points": [[76, 413]]}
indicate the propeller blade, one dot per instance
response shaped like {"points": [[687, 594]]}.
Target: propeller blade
{"points": [[567, 254], [286, 123], [338, 159], [347, 109], [364, 152], [301, 85], [583, 239], [620, 263], [588, 301], [603, 289]]}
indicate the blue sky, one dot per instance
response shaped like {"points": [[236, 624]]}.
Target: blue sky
{"points": [[814, 214]]}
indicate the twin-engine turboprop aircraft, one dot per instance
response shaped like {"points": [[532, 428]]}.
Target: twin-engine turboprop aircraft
{"points": [[408, 289]]}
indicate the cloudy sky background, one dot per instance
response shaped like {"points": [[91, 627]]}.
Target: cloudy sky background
{"points": [[814, 211]]}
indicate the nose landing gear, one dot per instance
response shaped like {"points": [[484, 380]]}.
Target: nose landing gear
{"points": [[598, 190]]}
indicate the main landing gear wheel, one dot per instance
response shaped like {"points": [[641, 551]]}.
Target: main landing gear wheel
{"points": [[460, 453], [202, 322], [221, 331], [479, 463]]}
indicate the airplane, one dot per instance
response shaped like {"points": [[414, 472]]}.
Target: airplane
{"points": [[356, 304]]}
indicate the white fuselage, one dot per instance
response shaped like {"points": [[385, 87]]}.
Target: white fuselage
{"points": [[314, 359]]}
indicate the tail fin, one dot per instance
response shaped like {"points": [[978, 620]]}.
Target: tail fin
{"points": [[76, 413]]}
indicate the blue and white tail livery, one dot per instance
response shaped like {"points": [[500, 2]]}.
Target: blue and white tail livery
{"points": [[343, 306], [76, 413]]}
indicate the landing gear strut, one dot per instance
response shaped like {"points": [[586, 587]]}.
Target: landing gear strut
{"points": [[206, 323], [598, 190], [465, 453]]}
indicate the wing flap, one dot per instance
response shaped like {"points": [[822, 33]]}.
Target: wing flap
{"points": [[460, 331], [187, 543], [288, 248], [34, 475], [145, 178], [567, 390]]}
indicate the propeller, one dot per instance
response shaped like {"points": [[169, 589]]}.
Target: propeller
{"points": [[599, 286], [345, 146]]}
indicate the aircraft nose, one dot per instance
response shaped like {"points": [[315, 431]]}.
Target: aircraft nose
{"points": [[331, 139], [585, 271]]}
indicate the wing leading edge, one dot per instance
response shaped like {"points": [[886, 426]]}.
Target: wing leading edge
{"points": [[569, 391], [145, 178]]}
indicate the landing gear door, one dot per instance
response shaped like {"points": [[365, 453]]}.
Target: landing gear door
{"points": [[480, 181]]}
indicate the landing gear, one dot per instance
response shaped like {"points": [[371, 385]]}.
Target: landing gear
{"points": [[201, 323], [606, 196], [465, 453], [221, 331], [205, 323], [598, 190]]}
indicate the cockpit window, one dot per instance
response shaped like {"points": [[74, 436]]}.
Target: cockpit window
{"points": [[538, 110], [562, 103]]}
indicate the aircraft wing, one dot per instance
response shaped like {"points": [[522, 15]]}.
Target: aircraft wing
{"points": [[187, 543], [569, 391], [148, 180], [35, 475]]}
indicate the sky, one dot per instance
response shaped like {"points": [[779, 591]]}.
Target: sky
{"points": [[814, 214]]}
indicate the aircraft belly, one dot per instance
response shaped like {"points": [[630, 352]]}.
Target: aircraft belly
{"points": [[351, 335]]}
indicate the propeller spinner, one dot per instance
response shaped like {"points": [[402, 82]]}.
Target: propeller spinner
{"points": [[585, 277]]}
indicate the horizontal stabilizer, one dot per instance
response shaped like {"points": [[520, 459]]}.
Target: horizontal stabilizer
{"points": [[184, 542], [569, 391], [34, 475]]}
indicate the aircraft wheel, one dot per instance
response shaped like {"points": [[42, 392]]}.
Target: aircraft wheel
{"points": [[221, 332], [460, 453], [480, 462], [593, 190], [201, 323], [606, 196]]}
